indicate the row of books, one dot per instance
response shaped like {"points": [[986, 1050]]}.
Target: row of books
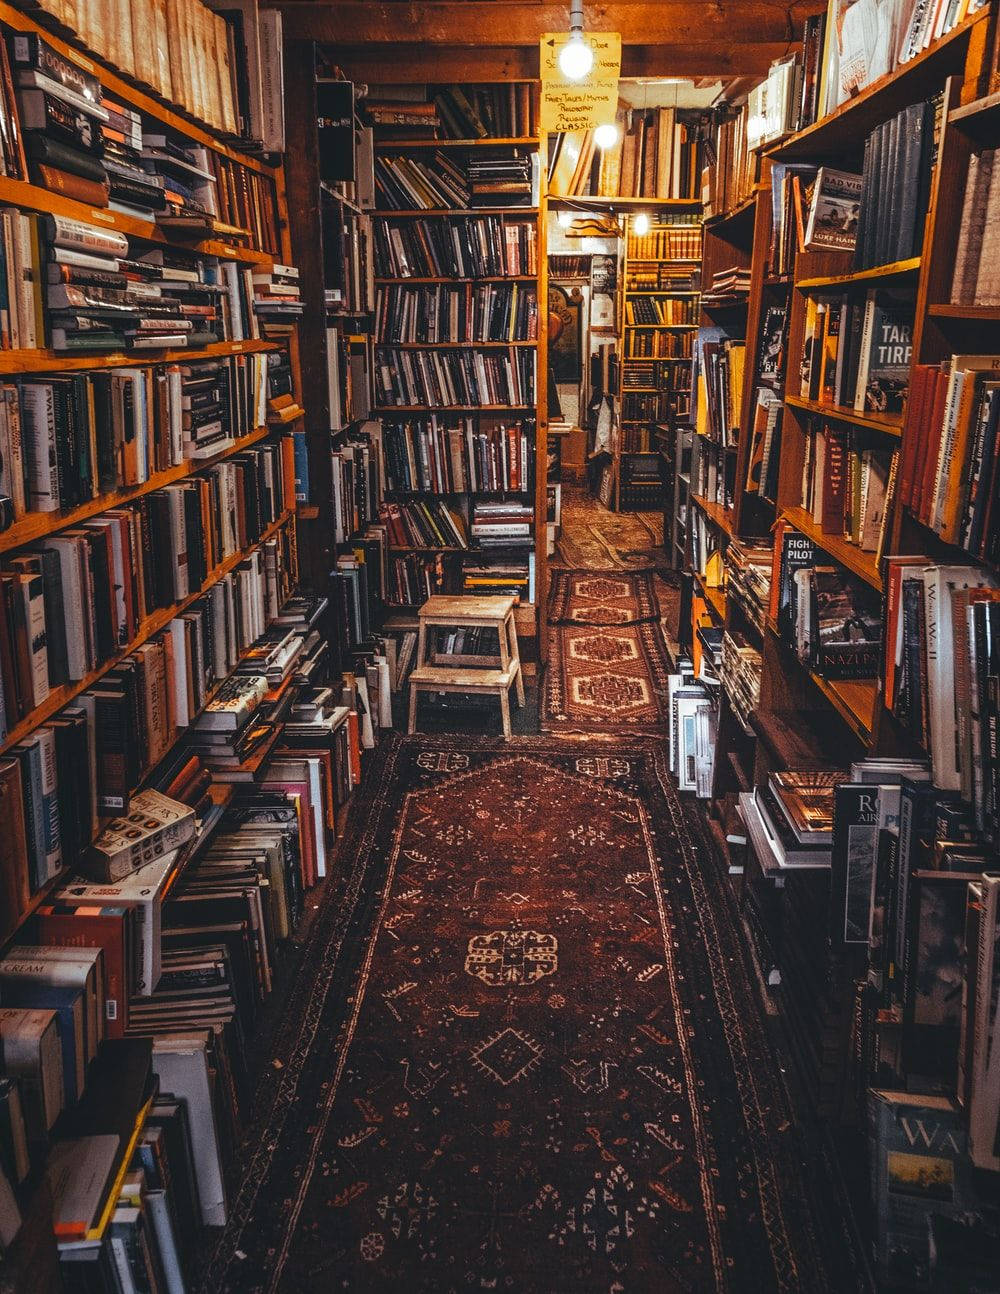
{"points": [[474, 455], [474, 247], [413, 578], [642, 373], [941, 653], [865, 41], [93, 292], [660, 309], [856, 352], [87, 761], [68, 439], [658, 154], [504, 523], [646, 406], [356, 481], [977, 278], [441, 181], [653, 276], [731, 180], [223, 67], [896, 185], [657, 344], [491, 312], [718, 376], [667, 240], [66, 136], [950, 468], [847, 485], [348, 239], [832, 621], [418, 524], [458, 378], [83, 594], [457, 112]]}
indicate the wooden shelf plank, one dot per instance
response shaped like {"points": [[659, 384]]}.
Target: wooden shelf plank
{"points": [[50, 361], [844, 130], [36, 525], [493, 278], [981, 314], [981, 117], [436, 408], [151, 625], [19, 193], [853, 699], [407, 145], [588, 202], [890, 424], [897, 269], [722, 517], [856, 560], [403, 214], [715, 598]]}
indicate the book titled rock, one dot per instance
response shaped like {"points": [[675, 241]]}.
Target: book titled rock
{"points": [[154, 826]]}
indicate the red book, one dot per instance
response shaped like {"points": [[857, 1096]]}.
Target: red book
{"points": [[915, 431], [932, 444], [834, 481], [65, 925], [779, 535]]}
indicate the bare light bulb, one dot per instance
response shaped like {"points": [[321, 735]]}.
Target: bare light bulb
{"points": [[576, 58], [565, 218], [606, 135], [640, 224]]}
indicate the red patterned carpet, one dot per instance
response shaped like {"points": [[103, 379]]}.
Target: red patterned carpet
{"points": [[610, 679], [522, 1052], [601, 598]]}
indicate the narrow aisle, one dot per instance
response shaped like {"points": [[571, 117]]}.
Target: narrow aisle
{"points": [[523, 1052]]}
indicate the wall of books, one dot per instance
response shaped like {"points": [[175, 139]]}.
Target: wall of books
{"points": [[837, 654]]}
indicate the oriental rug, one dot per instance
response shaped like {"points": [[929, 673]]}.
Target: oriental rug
{"points": [[592, 538], [522, 1052], [613, 679], [601, 598]]}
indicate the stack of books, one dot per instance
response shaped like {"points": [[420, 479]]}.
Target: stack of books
{"points": [[503, 524], [748, 579], [728, 286], [791, 819], [501, 575], [276, 292], [500, 181], [741, 670]]}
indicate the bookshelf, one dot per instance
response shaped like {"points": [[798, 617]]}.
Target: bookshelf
{"points": [[807, 718]]}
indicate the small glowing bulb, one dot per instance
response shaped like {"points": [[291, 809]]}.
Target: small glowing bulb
{"points": [[565, 218], [576, 58], [640, 224], [606, 135]]}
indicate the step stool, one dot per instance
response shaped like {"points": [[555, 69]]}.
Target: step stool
{"points": [[448, 673]]}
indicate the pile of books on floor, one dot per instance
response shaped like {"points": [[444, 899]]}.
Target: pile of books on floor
{"points": [[693, 704], [503, 524], [727, 286], [748, 578], [501, 575], [790, 820], [424, 525], [741, 671]]}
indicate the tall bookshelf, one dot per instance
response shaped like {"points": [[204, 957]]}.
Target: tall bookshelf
{"points": [[533, 404], [283, 418], [805, 720]]}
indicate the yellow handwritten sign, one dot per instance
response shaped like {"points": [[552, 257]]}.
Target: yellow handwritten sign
{"points": [[586, 104]]}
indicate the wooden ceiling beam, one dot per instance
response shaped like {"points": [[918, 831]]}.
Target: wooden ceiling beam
{"points": [[500, 25], [408, 64]]}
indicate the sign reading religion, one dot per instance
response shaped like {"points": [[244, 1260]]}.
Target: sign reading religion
{"points": [[586, 104]]}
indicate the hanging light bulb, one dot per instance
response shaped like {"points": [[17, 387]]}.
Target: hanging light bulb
{"points": [[565, 218], [576, 58], [640, 224], [606, 135]]}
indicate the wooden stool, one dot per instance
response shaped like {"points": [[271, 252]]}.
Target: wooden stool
{"points": [[450, 673]]}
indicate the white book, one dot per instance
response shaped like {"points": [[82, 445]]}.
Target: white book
{"points": [[65, 966], [181, 1063], [179, 680], [40, 446]]}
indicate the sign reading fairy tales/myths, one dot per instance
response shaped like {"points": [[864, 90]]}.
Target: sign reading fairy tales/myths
{"points": [[579, 105]]}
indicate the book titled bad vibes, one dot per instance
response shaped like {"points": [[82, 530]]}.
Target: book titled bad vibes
{"points": [[834, 211]]}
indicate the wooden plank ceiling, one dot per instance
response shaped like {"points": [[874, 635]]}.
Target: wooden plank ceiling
{"points": [[497, 40]]}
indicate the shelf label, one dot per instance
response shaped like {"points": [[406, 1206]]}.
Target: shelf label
{"points": [[105, 217], [580, 105]]}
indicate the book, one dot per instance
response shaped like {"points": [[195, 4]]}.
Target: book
{"points": [[834, 211], [155, 825]]}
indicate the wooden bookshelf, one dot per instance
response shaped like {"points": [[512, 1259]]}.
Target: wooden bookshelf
{"points": [[418, 282], [890, 424], [488, 141], [445, 212], [50, 361], [856, 560], [149, 626], [37, 525], [716, 513], [898, 269]]}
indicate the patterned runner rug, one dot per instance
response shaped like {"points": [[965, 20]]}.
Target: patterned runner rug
{"points": [[593, 538], [601, 598], [604, 678], [523, 1053]]}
